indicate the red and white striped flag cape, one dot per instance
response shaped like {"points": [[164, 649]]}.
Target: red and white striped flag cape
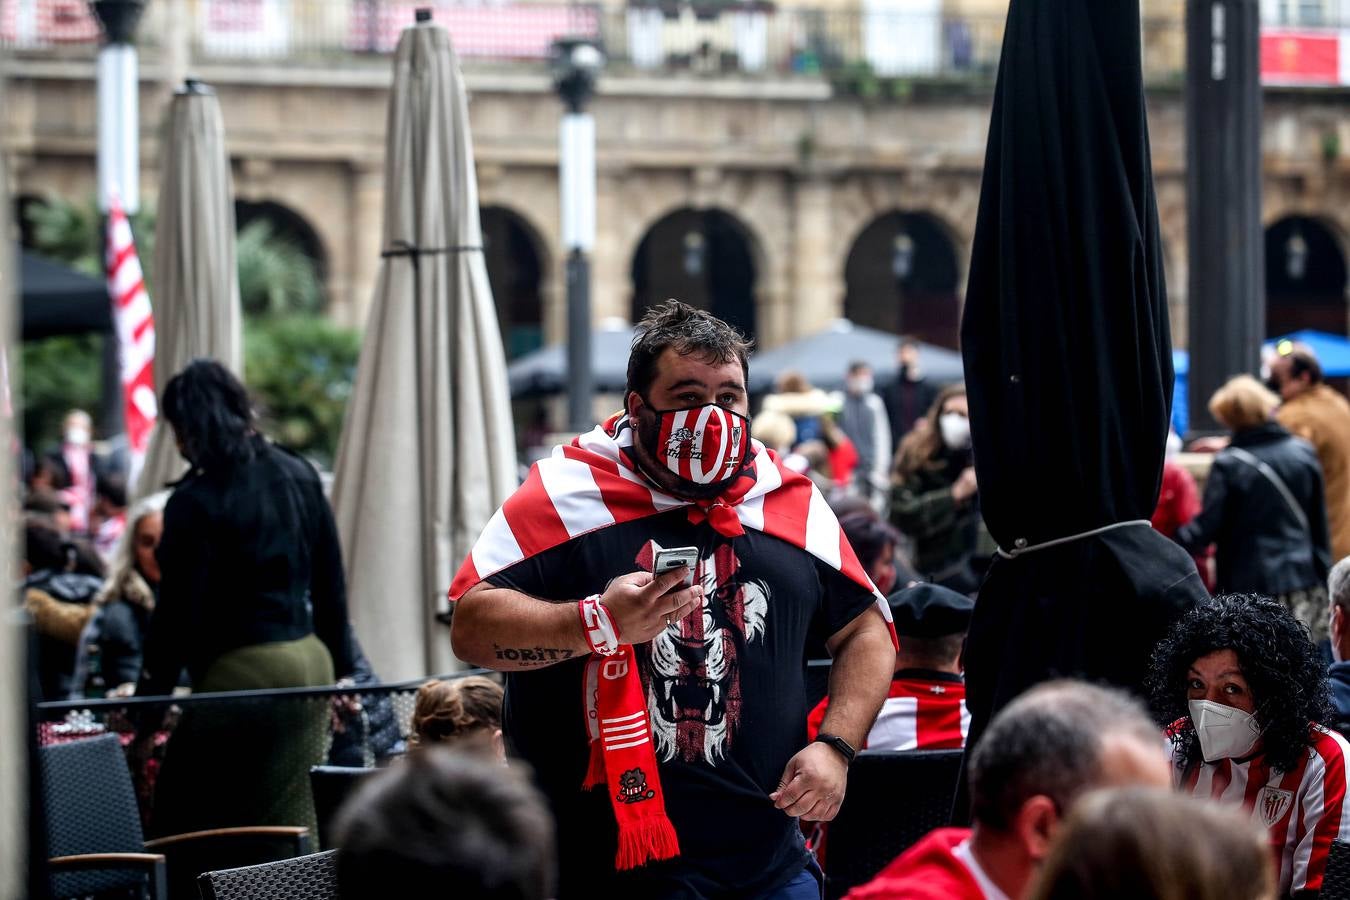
{"points": [[135, 325], [590, 484]]}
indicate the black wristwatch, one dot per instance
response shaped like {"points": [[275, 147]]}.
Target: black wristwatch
{"points": [[844, 747]]}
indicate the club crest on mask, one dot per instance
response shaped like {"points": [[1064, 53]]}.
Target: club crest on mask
{"points": [[703, 445]]}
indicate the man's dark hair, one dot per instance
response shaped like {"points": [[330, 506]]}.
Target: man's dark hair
{"points": [[858, 366], [210, 413], [1301, 361], [1049, 741], [113, 488], [690, 332], [45, 503], [1279, 661], [445, 823]]}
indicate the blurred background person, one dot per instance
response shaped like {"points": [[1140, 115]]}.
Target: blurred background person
{"points": [[795, 397], [1150, 844], [1264, 508], [1315, 412], [112, 643], [446, 824], [60, 600], [925, 708], [1179, 503], [863, 419], [934, 497], [1041, 753], [908, 399], [1338, 587], [1245, 691], [252, 596], [461, 713], [76, 455], [109, 517]]}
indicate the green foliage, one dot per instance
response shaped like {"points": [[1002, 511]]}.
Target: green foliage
{"points": [[300, 369], [298, 366], [275, 275], [70, 232], [59, 374]]}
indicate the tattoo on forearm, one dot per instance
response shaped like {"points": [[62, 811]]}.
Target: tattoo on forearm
{"points": [[533, 656]]}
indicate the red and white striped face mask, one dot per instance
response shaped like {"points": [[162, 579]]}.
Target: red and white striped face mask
{"points": [[701, 445]]}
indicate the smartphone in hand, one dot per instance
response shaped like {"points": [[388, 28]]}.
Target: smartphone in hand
{"points": [[665, 560]]}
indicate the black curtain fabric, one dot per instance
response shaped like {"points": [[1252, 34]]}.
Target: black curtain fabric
{"points": [[1068, 361]]}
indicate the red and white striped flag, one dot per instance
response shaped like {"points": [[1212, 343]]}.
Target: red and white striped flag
{"points": [[135, 326]]}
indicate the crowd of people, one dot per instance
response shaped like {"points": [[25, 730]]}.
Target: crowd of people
{"points": [[849, 527]]}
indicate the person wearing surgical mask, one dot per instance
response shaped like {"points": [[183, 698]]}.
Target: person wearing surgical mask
{"points": [[76, 439], [935, 498], [1245, 690]]}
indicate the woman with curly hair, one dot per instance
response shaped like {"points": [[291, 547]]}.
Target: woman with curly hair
{"points": [[1245, 689]]}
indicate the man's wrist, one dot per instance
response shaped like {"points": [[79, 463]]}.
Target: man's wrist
{"points": [[602, 636], [843, 748]]}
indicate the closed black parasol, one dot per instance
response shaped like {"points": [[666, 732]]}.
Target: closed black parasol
{"points": [[1068, 363]]}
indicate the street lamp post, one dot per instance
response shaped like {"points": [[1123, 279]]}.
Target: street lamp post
{"points": [[119, 152], [1223, 197], [577, 63]]}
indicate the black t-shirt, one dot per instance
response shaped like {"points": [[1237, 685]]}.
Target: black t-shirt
{"points": [[726, 697]]}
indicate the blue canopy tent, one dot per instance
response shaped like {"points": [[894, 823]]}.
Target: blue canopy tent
{"points": [[1332, 351]]}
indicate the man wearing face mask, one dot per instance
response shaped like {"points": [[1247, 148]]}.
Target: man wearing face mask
{"points": [[75, 455], [657, 712], [862, 416], [1246, 690]]}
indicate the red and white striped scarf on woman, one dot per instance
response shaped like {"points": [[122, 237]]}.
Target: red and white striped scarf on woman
{"points": [[593, 483]]}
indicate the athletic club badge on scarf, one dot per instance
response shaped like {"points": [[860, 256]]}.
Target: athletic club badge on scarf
{"points": [[593, 483]]}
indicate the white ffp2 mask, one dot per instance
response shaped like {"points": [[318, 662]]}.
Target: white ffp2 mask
{"points": [[1224, 732], [955, 430]]}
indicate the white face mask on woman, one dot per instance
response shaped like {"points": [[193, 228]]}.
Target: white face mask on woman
{"points": [[955, 430], [1224, 731]]}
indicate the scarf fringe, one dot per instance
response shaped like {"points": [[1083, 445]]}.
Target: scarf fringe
{"points": [[595, 769], [649, 840]]}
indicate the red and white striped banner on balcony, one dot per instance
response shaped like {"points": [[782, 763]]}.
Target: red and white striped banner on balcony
{"points": [[42, 23], [485, 32], [135, 325], [1305, 56]]}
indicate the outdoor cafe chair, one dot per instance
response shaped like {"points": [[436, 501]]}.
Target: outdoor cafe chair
{"points": [[312, 877], [894, 798], [94, 837]]}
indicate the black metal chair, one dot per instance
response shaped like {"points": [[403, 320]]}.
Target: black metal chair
{"points": [[1336, 879], [331, 786], [95, 839], [893, 800], [94, 832], [312, 877]]}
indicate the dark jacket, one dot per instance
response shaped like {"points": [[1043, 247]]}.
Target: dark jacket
{"points": [[120, 637], [1339, 678], [907, 402], [249, 556], [56, 658], [1262, 547], [949, 538]]}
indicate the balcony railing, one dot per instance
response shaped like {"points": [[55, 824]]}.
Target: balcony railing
{"points": [[869, 50]]}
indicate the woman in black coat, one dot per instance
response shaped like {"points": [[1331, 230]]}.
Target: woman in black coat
{"points": [[1264, 508], [252, 597]]}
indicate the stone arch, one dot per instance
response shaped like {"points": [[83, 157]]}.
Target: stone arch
{"points": [[708, 257], [902, 274], [1306, 275], [288, 225], [518, 268]]}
